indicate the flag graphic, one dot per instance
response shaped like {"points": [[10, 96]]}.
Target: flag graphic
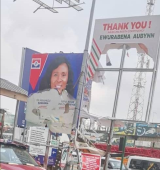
{"points": [[94, 60]]}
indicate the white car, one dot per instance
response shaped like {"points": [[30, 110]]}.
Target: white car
{"points": [[113, 164], [139, 162]]}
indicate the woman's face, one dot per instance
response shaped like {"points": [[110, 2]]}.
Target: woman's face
{"points": [[59, 77]]}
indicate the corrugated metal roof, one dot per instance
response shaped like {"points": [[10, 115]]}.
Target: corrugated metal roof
{"points": [[5, 84]]}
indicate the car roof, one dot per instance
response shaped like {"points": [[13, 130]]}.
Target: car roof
{"points": [[10, 143], [111, 159], [144, 158]]}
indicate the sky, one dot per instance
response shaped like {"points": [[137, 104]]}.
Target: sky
{"points": [[66, 31]]}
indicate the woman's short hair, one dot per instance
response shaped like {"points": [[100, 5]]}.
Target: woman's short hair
{"points": [[46, 80]]}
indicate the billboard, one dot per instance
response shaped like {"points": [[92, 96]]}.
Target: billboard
{"points": [[116, 141], [127, 129], [52, 91], [138, 32], [87, 95], [37, 135], [141, 33], [51, 158], [24, 83], [147, 130], [91, 161], [137, 129]]}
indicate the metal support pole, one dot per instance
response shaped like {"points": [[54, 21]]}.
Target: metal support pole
{"points": [[53, 4], [119, 82], [47, 150], [82, 79], [109, 145], [115, 103], [123, 151], [20, 84], [153, 83]]}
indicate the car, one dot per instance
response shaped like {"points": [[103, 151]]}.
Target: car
{"points": [[15, 157], [140, 162], [113, 164]]}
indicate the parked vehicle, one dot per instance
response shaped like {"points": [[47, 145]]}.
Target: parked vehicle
{"points": [[143, 163], [113, 164], [15, 157], [125, 160]]}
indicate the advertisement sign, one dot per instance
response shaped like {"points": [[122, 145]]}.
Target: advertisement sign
{"points": [[143, 143], [138, 32], [96, 137], [24, 83], [127, 129], [37, 150], [64, 154], [53, 90], [55, 143], [37, 135], [18, 137], [87, 95], [136, 129], [141, 33], [149, 130], [51, 160], [91, 161], [116, 141], [52, 156]]}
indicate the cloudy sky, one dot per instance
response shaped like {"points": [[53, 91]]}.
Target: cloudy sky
{"points": [[66, 31]]}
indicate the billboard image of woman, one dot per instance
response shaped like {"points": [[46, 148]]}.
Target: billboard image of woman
{"points": [[53, 91], [59, 75]]}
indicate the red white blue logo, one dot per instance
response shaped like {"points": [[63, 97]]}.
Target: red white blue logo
{"points": [[36, 63]]}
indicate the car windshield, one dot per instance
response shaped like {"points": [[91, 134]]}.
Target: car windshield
{"points": [[144, 164], [116, 164], [14, 154]]}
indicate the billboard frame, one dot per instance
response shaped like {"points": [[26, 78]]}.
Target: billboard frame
{"points": [[19, 84]]}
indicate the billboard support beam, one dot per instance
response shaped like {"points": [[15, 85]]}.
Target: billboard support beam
{"points": [[115, 104], [83, 70], [47, 150], [153, 83], [20, 84], [123, 151]]}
